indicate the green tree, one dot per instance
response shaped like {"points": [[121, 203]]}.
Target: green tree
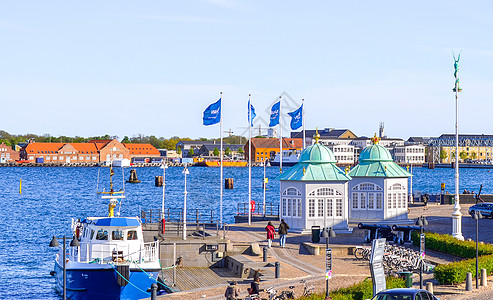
{"points": [[215, 152], [240, 150], [227, 151], [463, 155], [126, 140], [191, 152], [178, 150], [443, 155]]}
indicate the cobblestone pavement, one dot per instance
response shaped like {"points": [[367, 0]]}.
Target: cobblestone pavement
{"points": [[296, 263]]}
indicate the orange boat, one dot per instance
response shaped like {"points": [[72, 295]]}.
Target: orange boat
{"points": [[226, 163]]}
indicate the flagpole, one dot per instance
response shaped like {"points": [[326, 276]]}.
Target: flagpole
{"points": [[303, 120], [221, 154], [249, 161], [280, 135]]}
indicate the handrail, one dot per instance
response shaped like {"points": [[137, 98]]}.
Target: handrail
{"points": [[106, 250], [176, 215]]}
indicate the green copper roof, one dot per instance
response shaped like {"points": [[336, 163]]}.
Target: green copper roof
{"points": [[316, 163], [376, 161], [317, 154], [314, 172], [375, 153], [378, 169]]}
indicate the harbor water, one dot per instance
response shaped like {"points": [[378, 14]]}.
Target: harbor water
{"points": [[52, 196]]}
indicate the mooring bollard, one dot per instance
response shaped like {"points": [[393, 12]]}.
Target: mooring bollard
{"points": [[429, 287], [484, 278], [153, 291], [469, 281], [265, 254], [278, 269]]}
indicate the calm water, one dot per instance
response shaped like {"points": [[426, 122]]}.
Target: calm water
{"points": [[52, 196]]}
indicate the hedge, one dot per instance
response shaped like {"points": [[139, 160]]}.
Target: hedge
{"points": [[455, 272], [446, 243], [359, 291]]}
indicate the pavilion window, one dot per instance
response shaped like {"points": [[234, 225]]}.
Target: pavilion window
{"points": [[311, 208]]}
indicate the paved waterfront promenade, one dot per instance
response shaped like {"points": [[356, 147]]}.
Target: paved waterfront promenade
{"points": [[297, 263]]}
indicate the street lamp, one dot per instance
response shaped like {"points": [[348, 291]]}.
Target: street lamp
{"points": [[164, 166], [421, 222], [185, 172], [476, 216], [264, 183], [73, 243], [326, 233]]}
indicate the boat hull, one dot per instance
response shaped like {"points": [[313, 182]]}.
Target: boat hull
{"points": [[225, 164], [284, 163], [102, 283]]}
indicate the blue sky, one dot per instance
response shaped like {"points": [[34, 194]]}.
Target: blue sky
{"points": [[152, 67]]}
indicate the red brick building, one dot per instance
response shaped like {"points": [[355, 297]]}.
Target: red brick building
{"points": [[7, 154]]}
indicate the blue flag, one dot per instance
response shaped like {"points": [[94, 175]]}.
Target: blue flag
{"points": [[252, 109], [296, 118], [212, 114], [274, 114]]}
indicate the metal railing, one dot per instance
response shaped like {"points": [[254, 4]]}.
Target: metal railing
{"points": [[271, 209], [176, 215]]}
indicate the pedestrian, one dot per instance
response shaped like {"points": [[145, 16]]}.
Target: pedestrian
{"points": [[254, 287], [232, 291], [425, 200], [271, 232], [283, 231]]}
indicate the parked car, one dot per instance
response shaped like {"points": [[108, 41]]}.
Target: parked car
{"points": [[486, 209], [405, 294]]}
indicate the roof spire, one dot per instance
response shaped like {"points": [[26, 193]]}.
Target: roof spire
{"points": [[375, 139], [316, 136]]}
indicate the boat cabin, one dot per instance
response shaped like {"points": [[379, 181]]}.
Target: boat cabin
{"points": [[113, 239]]}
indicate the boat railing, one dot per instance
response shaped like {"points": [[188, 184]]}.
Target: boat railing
{"points": [[271, 209], [115, 252]]}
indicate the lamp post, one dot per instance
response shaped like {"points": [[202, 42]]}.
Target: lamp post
{"points": [[164, 166], [73, 243], [185, 172], [264, 182], [476, 216], [421, 222], [326, 233]]}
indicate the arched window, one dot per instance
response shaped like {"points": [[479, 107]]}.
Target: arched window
{"points": [[325, 202], [367, 196], [396, 196], [291, 203]]}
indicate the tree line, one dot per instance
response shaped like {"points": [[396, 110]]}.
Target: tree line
{"points": [[158, 142]]}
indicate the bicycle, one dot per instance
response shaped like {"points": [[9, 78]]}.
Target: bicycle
{"points": [[307, 289]]}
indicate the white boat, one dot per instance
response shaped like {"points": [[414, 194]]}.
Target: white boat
{"points": [[289, 158], [112, 261]]}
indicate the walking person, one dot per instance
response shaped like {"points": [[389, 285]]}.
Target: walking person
{"points": [[283, 231], [232, 291], [271, 232]]}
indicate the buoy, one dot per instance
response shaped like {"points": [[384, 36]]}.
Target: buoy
{"points": [[158, 181], [20, 187], [133, 177]]}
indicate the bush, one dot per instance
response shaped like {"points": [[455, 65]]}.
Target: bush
{"points": [[359, 291], [448, 244], [455, 272]]}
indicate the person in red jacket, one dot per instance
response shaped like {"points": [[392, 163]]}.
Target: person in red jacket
{"points": [[271, 232]]}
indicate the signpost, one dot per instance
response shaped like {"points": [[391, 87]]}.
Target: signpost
{"points": [[376, 265], [422, 253], [328, 263]]}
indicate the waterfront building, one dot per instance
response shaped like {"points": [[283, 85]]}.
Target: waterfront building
{"points": [[143, 153], [267, 148], [208, 150], [7, 154], [472, 148], [378, 189], [185, 146], [314, 192], [410, 154]]}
